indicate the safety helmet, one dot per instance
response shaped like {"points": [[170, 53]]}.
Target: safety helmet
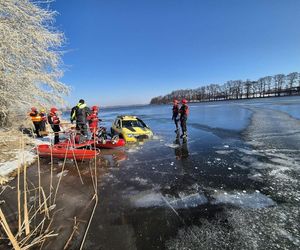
{"points": [[33, 109], [184, 101], [53, 110], [43, 110], [175, 101], [95, 108]]}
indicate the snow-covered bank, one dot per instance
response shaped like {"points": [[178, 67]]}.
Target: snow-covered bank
{"points": [[16, 150]]}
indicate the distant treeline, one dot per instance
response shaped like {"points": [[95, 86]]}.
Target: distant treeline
{"points": [[277, 85]]}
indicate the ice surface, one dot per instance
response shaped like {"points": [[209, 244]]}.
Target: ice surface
{"points": [[154, 199], [244, 200], [233, 185]]}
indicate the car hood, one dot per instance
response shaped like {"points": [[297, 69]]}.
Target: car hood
{"points": [[136, 130]]}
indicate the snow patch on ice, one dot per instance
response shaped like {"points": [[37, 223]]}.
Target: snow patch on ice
{"points": [[171, 145], [155, 199], [243, 200], [63, 173], [132, 150], [148, 199], [140, 180], [157, 137], [224, 152]]}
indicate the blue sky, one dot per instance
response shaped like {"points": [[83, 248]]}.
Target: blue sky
{"points": [[123, 52]]}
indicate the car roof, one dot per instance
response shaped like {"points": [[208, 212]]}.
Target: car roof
{"points": [[127, 117]]}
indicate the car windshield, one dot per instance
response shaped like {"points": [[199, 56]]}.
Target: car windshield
{"points": [[133, 123]]}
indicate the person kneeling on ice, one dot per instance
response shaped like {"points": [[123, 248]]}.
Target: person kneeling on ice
{"points": [[175, 110], [54, 122], [93, 121], [184, 112]]}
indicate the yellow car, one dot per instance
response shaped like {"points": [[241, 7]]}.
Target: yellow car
{"points": [[131, 128]]}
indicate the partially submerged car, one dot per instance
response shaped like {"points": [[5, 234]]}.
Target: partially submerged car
{"points": [[131, 128]]}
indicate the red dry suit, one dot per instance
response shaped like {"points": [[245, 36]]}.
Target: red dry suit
{"points": [[93, 122]]}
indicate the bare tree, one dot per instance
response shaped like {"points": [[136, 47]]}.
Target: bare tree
{"points": [[279, 81], [260, 86], [248, 86], [269, 85], [292, 79], [30, 62]]}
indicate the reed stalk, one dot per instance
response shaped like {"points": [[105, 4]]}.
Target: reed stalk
{"points": [[8, 232], [19, 193], [27, 227]]}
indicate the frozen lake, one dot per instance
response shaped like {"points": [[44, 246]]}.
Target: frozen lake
{"points": [[233, 185]]}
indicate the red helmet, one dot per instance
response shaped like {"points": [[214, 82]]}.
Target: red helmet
{"points": [[33, 109], [53, 110], [95, 108], [184, 101], [175, 101]]}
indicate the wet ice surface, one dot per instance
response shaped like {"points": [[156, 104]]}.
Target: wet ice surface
{"points": [[233, 185]]}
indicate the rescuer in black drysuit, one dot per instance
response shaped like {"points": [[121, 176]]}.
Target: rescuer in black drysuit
{"points": [[184, 112], [79, 113], [175, 110]]}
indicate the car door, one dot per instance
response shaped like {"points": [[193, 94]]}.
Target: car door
{"points": [[117, 126]]}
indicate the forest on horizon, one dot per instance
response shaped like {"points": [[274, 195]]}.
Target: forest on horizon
{"points": [[277, 85]]}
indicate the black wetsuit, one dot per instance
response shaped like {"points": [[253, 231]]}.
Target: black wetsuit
{"points": [[80, 113], [175, 110], [183, 117]]}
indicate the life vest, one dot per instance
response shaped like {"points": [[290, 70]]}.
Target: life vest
{"points": [[187, 111], [53, 119], [184, 110], [93, 120], [35, 117], [79, 113]]}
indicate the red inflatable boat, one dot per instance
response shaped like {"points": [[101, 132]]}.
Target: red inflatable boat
{"points": [[61, 152], [68, 143], [90, 143], [110, 144]]}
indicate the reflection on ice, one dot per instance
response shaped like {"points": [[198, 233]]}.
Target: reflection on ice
{"points": [[243, 200]]}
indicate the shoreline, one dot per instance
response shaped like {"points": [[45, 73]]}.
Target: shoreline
{"points": [[232, 100], [17, 151]]}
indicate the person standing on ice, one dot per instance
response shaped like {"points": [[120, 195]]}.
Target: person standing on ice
{"points": [[54, 122], [36, 120], [184, 112], [93, 121], [175, 110], [79, 113]]}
